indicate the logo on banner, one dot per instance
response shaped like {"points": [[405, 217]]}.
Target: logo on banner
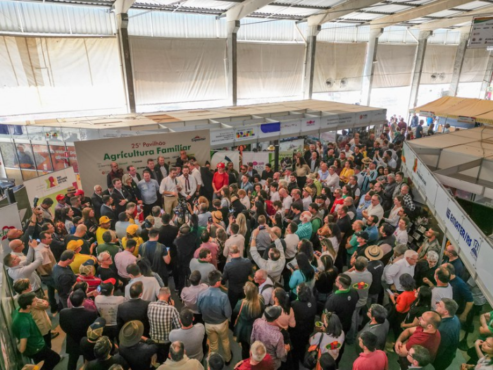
{"points": [[363, 116], [198, 138], [310, 123], [242, 134], [5, 231], [51, 182], [471, 243]]}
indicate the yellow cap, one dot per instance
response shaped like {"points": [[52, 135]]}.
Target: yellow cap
{"points": [[73, 245], [104, 220], [132, 229]]}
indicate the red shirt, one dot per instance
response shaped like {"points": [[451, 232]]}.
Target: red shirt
{"points": [[427, 340], [220, 179], [376, 360], [265, 364], [404, 301]]}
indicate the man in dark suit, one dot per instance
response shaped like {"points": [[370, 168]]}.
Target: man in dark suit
{"points": [[115, 173], [132, 171], [75, 322], [134, 309], [182, 159], [97, 201], [308, 154], [107, 210], [206, 174], [151, 167], [167, 232], [120, 197], [162, 169]]}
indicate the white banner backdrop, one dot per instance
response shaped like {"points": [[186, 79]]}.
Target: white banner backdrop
{"points": [[222, 137], [10, 220], [259, 159], [226, 157], [49, 186], [95, 156]]}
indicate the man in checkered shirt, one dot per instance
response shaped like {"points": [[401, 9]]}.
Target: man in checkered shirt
{"points": [[163, 317]]}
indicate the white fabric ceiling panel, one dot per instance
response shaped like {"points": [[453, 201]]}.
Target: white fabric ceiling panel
{"points": [[59, 74], [394, 65], [474, 65], [269, 70], [337, 61], [438, 64], [178, 70]]}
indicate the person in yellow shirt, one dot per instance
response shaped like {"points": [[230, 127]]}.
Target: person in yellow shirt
{"points": [[346, 172], [79, 259], [132, 234], [104, 225]]}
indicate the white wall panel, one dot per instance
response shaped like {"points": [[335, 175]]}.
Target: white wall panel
{"points": [[269, 70], [59, 74], [336, 61], [439, 62], [474, 65], [394, 65], [178, 70]]}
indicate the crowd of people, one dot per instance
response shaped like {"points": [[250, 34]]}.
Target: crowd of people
{"points": [[159, 268]]}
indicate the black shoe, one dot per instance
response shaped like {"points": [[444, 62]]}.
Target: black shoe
{"points": [[463, 346], [228, 362]]}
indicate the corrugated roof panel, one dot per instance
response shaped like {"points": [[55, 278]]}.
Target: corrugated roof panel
{"points": [[47, 18], [343, 32], [324, 3], [8, 17], [140, 22], [208, 4], [392, 8], [445, 13], [287, 10], [88, 20], [473, 5], [362, 16], [254, 29]]}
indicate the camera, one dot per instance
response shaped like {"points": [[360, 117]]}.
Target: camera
{"points": [[35, 202]]}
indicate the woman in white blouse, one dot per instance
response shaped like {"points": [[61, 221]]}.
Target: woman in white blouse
{"points": [[394, 216]]}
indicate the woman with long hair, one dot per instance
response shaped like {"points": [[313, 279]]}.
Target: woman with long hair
{"points": [[333, 335], [67, 214], [305, 309], [328, 248], [338, 166], [225, 198], [281, 299], [346, 172], [146, 270], [131, 187], [203, 200], [418, 307], [89, 219], [325, 278], [304, 274], [302, 170], [247, 311]]}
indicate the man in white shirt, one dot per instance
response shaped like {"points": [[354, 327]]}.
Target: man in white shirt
{"points": [[170, 188], [404, 266], [149, 283], [286, 200], [332, 181], [323, 172], [443, 289], [274, 194], [307, 198], [196, 175], [292, 240], [188, 184], [275, 264], [107, 305], [235, 239], [375, 209]]}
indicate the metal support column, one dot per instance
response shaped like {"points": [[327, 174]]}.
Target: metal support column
{"points": [[276, 156], [232, 61], [418, 67], [124, 47], [371, 59], [488, 75], [310, 50], [458, 63]]}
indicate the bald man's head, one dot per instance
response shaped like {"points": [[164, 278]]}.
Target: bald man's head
{"points": [[16, 245], [81, 230]]}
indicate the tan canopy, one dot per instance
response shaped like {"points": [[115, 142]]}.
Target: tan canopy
{"points": [[454, 107]]}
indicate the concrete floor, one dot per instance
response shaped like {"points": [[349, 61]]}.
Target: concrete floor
{"points": [[350, 354]]}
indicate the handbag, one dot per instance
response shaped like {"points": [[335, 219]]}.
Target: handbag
{"points": [[311, 357]]}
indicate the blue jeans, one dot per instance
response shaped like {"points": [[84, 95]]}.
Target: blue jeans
{"points": [[50, 284]]}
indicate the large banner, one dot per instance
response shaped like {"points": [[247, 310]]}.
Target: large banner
{"points": [[259, 160], [49, 186], [10, 220], [481, 33], [226, 156], [95, 156]]}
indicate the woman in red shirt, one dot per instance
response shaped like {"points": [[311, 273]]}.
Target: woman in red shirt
{"points": [[219, 180], [402, 303]]}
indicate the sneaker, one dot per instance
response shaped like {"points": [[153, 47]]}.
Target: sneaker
{"points": [[463, 346]]}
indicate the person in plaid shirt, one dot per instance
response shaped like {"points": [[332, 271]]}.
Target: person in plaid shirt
{"points": [[163, 317]]}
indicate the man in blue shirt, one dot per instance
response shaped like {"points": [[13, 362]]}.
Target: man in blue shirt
{"points": [[372, 229], [213, 304], [449, 332], [419, 130], [149, 190], [461, 293]]}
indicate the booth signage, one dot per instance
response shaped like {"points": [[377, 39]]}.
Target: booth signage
{"points": [[219, 137], [424, 113], [481, 35], [291, 127], [471, 120]]}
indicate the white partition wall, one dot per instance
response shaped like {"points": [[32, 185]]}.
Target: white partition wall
{"points": [[178, 70], [270, 70], [40, 75]]}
